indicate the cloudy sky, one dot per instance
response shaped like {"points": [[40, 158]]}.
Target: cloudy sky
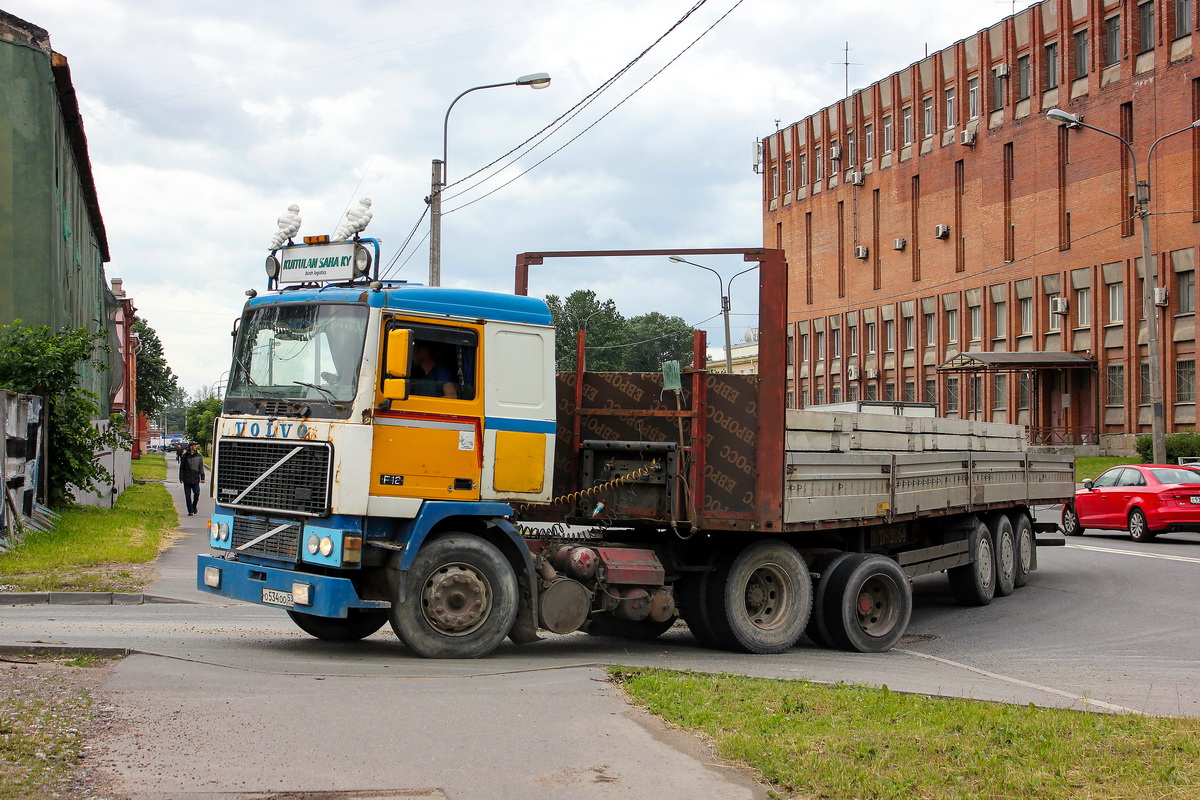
{"points": [[206, 120]]}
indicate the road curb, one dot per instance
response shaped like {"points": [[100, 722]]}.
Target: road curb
{"points": [[86, 599], [53, 648]]}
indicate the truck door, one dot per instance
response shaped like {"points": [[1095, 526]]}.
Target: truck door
{"points": [[428, 443]]}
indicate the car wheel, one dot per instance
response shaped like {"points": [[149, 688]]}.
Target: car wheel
{"points": [[1139, 529], [1070, 521]]}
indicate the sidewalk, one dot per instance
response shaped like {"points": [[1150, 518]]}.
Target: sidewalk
{"points": [[177, 564]]}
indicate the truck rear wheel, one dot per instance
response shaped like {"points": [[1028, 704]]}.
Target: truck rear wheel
{"points": [[1023, 540], [868, 604], [974, 584], [760, 598], [692, 592], [825, 566], [1005, 547], [461, 599], [358, 624]]}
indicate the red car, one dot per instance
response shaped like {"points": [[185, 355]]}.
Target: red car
{"points": [[1144, 499]]}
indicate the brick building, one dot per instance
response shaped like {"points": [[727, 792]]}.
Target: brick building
{"points": [[947, 243]]}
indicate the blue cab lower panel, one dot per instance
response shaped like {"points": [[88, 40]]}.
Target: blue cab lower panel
{"points": [[269, 586]]}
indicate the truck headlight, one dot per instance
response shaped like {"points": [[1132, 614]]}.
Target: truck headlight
{"points": [[326, 546], [314, 543], [223, 531]]}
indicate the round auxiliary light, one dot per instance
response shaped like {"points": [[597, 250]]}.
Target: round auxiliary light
{"points": [[326, 546], [313, 544], [362, 261], [272, 267], [223, 531]]}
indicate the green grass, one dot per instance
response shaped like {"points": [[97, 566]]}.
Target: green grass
{"points": [[95, 549], [150, 467], [1090, 466], [851, 742]]}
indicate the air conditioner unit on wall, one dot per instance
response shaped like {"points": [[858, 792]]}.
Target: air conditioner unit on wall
{"points": [[857, 178], [941, 231], [899, 244], [871, 373], [967, 137], [1001, 70], [852, 372], [861, 251], [1160, 296], [1058, 305], [835, 152]]}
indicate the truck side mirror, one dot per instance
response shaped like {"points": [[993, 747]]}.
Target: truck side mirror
{"points": [[399, 352]]}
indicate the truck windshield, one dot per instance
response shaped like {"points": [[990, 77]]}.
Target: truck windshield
{"points": [[300, 352]]}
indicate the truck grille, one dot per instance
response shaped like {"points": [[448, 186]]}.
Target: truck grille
{"points": [[296, 482], [282, 544]]}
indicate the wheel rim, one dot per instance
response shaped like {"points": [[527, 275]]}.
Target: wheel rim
{"points": [[1006, 557], [768, 596], [984, 567], [456, 599], [1137, 525], [1025, 551], [878, 606], [1072, 521]]}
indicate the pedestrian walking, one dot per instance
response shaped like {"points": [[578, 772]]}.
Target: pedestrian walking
{"points": [[191, 475], [178, 453]]}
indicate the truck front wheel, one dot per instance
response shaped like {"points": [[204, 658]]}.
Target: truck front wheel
{"points": [[461, 599], [759, 599], [358, 624]]}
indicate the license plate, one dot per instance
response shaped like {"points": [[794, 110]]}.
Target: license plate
{"points": [[277, 598], [1194, 500]]}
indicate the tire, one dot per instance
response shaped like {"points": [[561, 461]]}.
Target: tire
{"points": [[1139, 528], [825, 566], [974, 584], [1005, 547], [1070, 521], [358, 624], [692, 595], [1026, 548], [461, 600], [642, 630], [760, 598], [868, 604]]}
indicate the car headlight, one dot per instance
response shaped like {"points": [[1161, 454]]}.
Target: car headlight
{"points": [[314, 543]]}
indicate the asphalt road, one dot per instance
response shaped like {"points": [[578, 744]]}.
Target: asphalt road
{"points": [[235, 702]]}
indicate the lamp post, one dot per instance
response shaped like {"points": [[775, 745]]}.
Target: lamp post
{"points": [[724, 304], [536, 80], [1150, 273]]}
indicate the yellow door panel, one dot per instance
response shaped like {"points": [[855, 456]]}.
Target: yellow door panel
{"points": [[520, 462], [426, 458]]}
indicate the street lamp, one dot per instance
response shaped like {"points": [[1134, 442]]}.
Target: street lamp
{"points": [[536, 80], [724, 304], [1150, 278]]}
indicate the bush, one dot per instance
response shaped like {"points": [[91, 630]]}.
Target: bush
{"points": [[1178, 445]]}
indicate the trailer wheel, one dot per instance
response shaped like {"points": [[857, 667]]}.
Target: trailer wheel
{"points": [[461, 599], [1005, 547], [358, 624], [1023, 539], [1070, 521], [868, 604], [824, 565], [974, 584], [639, 630], [760, 598]]}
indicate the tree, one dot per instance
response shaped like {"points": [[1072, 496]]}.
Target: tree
{"points": [[655, 338], [156, 383], [200, 418], [174, 413], [34, 360], [581, 311]]}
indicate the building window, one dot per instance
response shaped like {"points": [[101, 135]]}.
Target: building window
{"points": [[852, 391], [1054, 321], [1183, 18], [852, 339], [1081, 53], [803, 397], [952, 325], [1083, 307], [1052, 65], [889, 392], [1144, 384], [1186, 292], [889, 335], [888, 141], [1114, 392], [1000, 320], [1185, 381], [930, 390], [872, 392], [997, 89], [787, 175], [1024, 390], [973, 98], [818, 165], [907, 121], [976, 323], [909, 334], [927, 116], [820, 343], [1023, 80], [774, 181], [1112, 40], [868, 142], [930, 330], [820, 395], [835, 394], [1025, 306], [804, 348], [835, 342], [999, 391], [1116, 302], [803, 170], [951, 119], [835, 154], [952, 395], [1146, 26], [870, 332], [851, 150], [976, 398], [910, 391]]}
